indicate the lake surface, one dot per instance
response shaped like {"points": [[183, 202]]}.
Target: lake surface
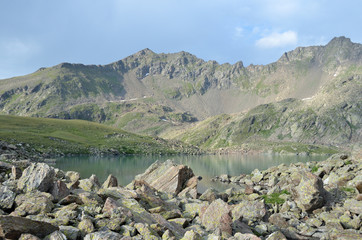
{"points": [[125, 168]]}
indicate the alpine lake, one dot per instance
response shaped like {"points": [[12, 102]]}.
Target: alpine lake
{"points": [[125, 168]]}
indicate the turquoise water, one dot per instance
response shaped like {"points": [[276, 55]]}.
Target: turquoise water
{"points": [[125, 168]]}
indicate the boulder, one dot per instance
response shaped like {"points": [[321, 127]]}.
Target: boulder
{"points": [[217, 217], [146, 231], [57, 235], [12, 227], [190, 189], [353, 206], [86, 226], [59, 190], [191, 235], [309, 194], [246, 236], [111, 181], [38, 176], [211, 195], [175, 229], [72, 176], [33, 203], [277, 220], [90, 184], [7, 197], [250, 210], [276, 236], [167, 176], [104, 235], [27, 236]]}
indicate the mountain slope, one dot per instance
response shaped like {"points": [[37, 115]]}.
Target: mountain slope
{"points": [[332, 117], [78, 136]]}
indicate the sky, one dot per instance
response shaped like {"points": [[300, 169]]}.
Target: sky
{"points": [[43, 33]]}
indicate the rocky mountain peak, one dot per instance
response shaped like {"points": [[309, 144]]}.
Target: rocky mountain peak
{"points": [[340, 41]]}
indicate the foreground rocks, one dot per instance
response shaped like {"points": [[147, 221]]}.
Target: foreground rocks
{"points": [[301, 201]]}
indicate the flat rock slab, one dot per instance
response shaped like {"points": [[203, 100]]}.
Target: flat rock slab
{"points": [[12, 227]]}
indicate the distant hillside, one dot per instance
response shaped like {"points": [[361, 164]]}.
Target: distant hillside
{"points": [[77, 136], [152, 94]]}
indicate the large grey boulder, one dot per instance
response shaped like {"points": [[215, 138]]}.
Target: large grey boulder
{"points": [[12, 227], [167, 176], [38, 176]]}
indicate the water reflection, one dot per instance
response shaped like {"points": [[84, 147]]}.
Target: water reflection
{"points": [[207, 166]]}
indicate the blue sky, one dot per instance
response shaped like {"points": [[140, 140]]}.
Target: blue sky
{"points": [[43, 33]]}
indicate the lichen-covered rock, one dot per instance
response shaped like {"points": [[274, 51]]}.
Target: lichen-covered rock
{"points": [[12, 227], [146, 231], [7, 197], [38, 176], [176, 230], [190, 189], [276, 236], [72, 176], [277, 220], [72, 233], [68, 211], [59, 190], [211, 195], [129, 231], [27, 236], [353, 206], [111, 181], [246, 236], [33, 203], [217, 216], [251, 210], [257, 176], [191, 235], [86, 226], [90, 184], [167, 176], [191, 210], [309, 194], [57, 235], [104, 235]]}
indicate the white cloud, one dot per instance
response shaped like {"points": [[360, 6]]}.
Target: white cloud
{"points": [[276, 39]]}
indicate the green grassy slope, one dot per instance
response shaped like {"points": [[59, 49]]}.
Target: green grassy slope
{"points": [[78, 136]]}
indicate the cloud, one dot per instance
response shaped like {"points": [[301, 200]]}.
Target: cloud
{"points": [[276, 39]]}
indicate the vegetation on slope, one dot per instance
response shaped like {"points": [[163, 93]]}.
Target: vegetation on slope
{"points": [[78, 136]]}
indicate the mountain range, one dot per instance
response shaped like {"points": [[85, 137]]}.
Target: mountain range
{"points": [[310, 97]]}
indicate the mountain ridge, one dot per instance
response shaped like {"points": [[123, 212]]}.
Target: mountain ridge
{"points": [[151, 93]]}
